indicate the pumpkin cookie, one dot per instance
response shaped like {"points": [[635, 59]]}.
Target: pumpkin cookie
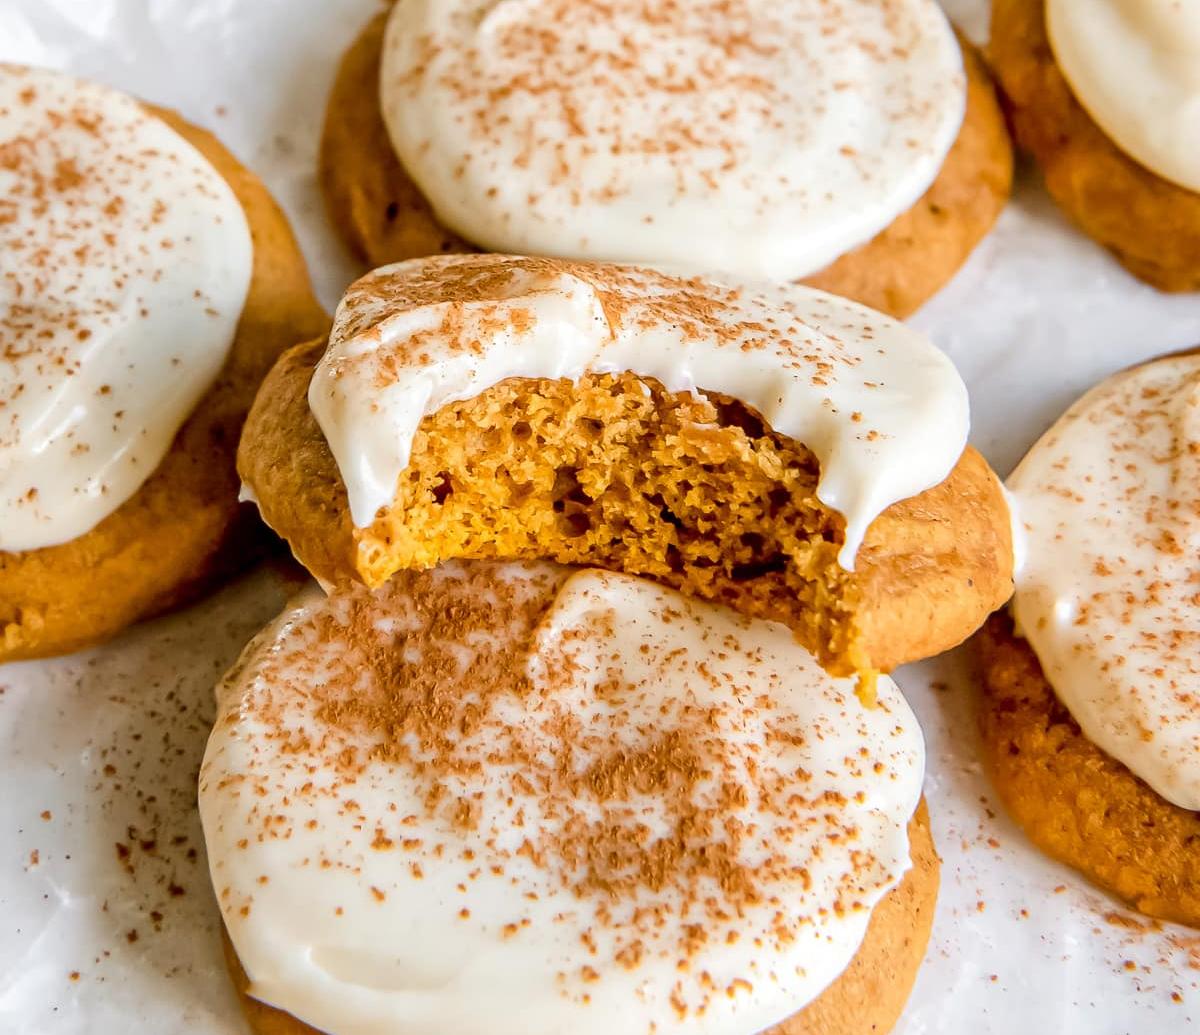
{"points": [[1104, 95], [1092, 723], [488, 803], [498, 407], [153, 283], [1077, 803], [899, 213]]}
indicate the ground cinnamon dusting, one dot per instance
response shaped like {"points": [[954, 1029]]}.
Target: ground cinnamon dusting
{"points": [[654, 818], [1112, 489], [78, 256], [630, 297], [586, 96]]}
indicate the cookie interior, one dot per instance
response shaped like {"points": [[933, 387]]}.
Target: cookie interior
{"points": [[614, 471]]}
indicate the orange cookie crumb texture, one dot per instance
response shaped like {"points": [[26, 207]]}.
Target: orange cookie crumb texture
{"points": [[614, 471], [1090, 717], [1075, 802], [1152, 226], [184, 527], [869, 996], [383, 216]]}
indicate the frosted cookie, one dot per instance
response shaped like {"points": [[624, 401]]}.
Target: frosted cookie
{"points": [[784, 451], [857, 146], [1106, 96], [520, 798], [147, 284], [1091, 721]]}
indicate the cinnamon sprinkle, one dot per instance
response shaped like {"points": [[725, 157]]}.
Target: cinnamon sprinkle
{"points": [[588, 99], [537, 754]]}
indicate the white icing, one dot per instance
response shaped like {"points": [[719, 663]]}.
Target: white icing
{"points": [[1016, 529], [763, 138], [360, 908], [1135, 66], [1108, 595], [124, 265], [883, 410]]}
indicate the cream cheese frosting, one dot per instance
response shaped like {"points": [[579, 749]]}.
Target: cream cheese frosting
{"points": [[521, 799], [761, 138], [1109, 594], [1135, 66], [125, 261], [883, 410]]}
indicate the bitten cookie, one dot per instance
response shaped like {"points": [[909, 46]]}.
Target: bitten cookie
{"points": [[155, 283], [936, 185], [490, 406], [1111, 131]]}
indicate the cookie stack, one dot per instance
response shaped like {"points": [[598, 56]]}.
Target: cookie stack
{"points": [[588, 727]]}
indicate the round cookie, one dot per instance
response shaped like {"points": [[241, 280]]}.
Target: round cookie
{"points": [[184, 527], [868, 996], [1151, 225], [1077, 803], [384, 218]]}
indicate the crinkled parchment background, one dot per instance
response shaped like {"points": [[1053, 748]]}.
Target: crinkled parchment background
{"points": [[107, 924]]}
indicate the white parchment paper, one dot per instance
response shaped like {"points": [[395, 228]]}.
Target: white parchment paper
{"points": [[107, 923]]}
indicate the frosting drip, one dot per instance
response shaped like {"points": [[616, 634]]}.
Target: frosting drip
{"points": [[524, 800], [885, 412], [124, 264], [756, 137], [1108, 596]]}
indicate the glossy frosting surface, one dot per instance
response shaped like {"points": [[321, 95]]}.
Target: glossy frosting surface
{"points": [[1108, 594], [125, 261], [526, 800], [761, 138], [1135, 66], [883, 410]]}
